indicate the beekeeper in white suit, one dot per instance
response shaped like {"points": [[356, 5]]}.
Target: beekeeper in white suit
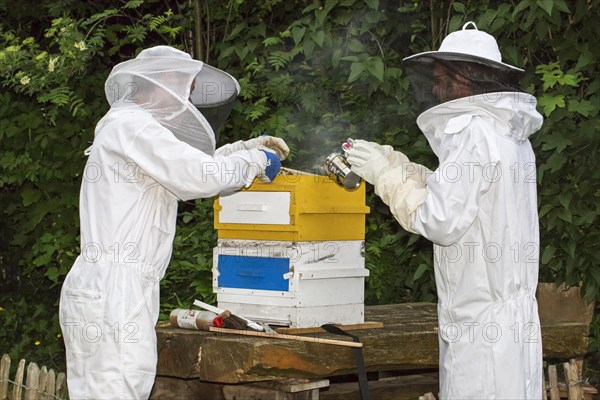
{"points": [[155, 146], [479, 208]]}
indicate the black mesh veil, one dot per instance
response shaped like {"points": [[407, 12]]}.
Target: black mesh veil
{"points": [[439, 77], [213, 94]]}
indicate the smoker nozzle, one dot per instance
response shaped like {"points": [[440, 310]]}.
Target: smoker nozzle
{"points": [[338, 169]]}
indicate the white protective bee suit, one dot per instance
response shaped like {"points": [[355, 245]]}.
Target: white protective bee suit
{"points": [[479, 208], [153, 148]]}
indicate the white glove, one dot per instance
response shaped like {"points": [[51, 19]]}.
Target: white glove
{"points": [[410, 170], [368, 160], [266, 142]]}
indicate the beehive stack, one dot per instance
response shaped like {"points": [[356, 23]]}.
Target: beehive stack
{"points": [[292, 252]]}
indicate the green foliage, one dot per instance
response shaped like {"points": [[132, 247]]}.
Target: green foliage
{"points": [[314, 73], [28, 330], [567, 145], [52, 96], [190, 273]]}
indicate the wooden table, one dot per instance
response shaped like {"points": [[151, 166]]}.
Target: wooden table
{"points": [[189, 360]]}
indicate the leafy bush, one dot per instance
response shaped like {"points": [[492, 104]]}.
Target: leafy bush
{"points": [[314, 73]]}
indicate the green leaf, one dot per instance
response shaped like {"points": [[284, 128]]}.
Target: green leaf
{"points": [[30, 196], [556, 141], [52, 274], [44, 259], [455, 22], [407, 8], [548, 254], [376, 67], [513, 55], [593, 87], [569, 79], [546, 5], [272, 41], [497, 25], [336, 57], [586, 218], [487, 18], [319, 38], [571, 246], [330, 4], [550, 102], [586, 58], [321, 15], [565, 199], [561, 5], [308, 48], [373, 4], [259, 30], [236, 31], [47, 237], [523, 5], [583, 107], [356, 69], [555, 162], [420, 271], [595, 272], [458, 7], [545, 209], [412, 239], [356, 46], [565, 215], [133, 4], [298, 33], [307, 9], [591, 291]]}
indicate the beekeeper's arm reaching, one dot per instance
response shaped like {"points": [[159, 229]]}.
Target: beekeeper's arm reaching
{"points": [[263, 142], [189, 173], [439, 205]]}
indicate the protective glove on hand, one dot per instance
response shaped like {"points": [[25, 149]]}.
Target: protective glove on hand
{"points": [[272, 143], [395, 157], [367, 160], [272, 167]]}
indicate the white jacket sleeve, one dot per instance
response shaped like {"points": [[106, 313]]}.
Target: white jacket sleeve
{"points": [[403, 187], [187, 172], [230, 148], [409, 169], [452, 199], [402, 193]]}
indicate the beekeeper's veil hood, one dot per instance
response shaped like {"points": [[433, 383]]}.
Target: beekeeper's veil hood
{"points": [[467, 63], [160, 80]]}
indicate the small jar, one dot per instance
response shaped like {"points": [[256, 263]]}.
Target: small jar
{"points": [[193, 319]]}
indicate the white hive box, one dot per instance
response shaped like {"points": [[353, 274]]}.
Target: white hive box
{"points": [[297, 284]]}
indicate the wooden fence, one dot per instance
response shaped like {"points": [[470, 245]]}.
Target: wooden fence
{"points": [[572, 388], [39, 383]]}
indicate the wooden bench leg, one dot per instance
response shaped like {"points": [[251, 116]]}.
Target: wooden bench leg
{"points": [[166, 388], [290, 389]]}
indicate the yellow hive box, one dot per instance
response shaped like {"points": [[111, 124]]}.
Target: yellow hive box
{"points": [[293, 208]]}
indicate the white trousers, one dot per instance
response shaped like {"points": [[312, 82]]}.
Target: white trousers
{"points": [[108, 314]]}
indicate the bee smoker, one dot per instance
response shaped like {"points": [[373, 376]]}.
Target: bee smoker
{"points": [[338, 169]]}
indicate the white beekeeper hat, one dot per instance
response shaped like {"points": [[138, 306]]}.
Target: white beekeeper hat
{"points": [[468, 45], [471, 59], [161, 79]]}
